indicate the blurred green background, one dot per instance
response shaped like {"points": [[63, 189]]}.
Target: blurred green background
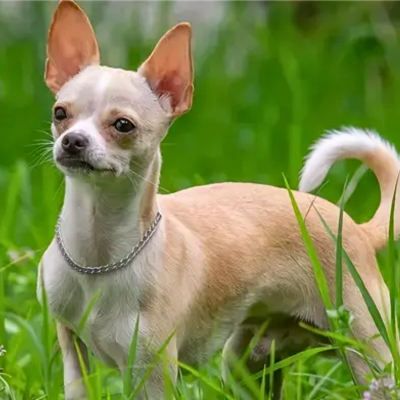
{"points": [[271, 77]]}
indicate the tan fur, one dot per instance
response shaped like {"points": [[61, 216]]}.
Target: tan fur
{"points": [[226, 257], [387, 173]]}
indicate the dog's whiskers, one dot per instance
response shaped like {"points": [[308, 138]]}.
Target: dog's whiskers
{"points": [[42, 156], [45, 133], [133, 181], [147, 180], [43, 149]]}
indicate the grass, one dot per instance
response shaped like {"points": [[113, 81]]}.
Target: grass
{"points": [[267, 86]]}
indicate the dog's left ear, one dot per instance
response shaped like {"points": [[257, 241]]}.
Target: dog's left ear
{"points": [[71, 45], [169, 69]]}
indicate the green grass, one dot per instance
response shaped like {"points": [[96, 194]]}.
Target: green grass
{"points": [[266, 88]]}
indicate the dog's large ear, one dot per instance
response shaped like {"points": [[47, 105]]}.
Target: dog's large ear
{"points": [[71, 45], [169, 69]]}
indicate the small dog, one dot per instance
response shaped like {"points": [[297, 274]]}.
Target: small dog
{"points": [[202, 267]]}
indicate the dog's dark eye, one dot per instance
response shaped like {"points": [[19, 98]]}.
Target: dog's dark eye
{"points": [[60, 113], [123, 125]]}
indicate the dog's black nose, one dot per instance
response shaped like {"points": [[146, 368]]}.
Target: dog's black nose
{"points": [[74, 143]]}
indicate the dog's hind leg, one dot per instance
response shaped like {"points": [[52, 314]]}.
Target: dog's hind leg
{"points": [[363, 328], [235, 349], [289, 339], [365, 331]]}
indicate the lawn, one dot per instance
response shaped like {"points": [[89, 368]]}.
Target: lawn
{"points": [[270, 79]]}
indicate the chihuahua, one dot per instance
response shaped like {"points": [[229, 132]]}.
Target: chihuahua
{"points": [[195, 271]]}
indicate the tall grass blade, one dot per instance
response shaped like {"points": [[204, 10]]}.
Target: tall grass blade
{"points": [[339, 255], [271, 375], [128, 378], [92, 395], [373, 309], [312, 253], [303, 355], [392, 269]]}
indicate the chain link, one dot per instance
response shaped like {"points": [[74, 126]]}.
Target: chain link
{"points": [[105, 269]]}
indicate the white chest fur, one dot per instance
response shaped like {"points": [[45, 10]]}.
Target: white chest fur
{"points": [[106, 307]]}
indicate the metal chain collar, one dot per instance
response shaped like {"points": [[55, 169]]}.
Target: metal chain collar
{"points": [[104, 269]]}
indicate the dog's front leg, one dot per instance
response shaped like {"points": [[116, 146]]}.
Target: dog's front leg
{"points": [[73, 383], [154, 369]]}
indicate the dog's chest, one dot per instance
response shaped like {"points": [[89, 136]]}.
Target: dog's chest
{"points": [[103, 309]]}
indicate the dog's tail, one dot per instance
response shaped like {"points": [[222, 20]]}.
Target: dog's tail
{"points": [[379, 155]]}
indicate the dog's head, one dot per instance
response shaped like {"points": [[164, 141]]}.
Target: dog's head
{"points": [[108, 121]]}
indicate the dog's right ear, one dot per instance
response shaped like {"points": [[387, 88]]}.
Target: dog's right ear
{"points": [[71, 45]]}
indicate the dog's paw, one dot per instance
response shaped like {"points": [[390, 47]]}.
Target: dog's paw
{"points": [[287, 342], [262, 350], [75, 391]]}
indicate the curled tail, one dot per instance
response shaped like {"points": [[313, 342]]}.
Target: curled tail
{"points": [[379, 155]]}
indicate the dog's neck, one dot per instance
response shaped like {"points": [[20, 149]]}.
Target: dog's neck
{"points": [[101, 222]]}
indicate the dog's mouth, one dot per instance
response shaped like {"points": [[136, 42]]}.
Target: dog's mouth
{"points": [[76, 164], [79, 165]]}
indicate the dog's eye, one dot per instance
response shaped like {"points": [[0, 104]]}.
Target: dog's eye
{"points": [[60, 113], [123, 125]]}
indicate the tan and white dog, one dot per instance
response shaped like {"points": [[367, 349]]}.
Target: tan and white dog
{"points": [[209, 264]]}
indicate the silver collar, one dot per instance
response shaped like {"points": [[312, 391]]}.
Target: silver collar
{"points": [[104, 269]]}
